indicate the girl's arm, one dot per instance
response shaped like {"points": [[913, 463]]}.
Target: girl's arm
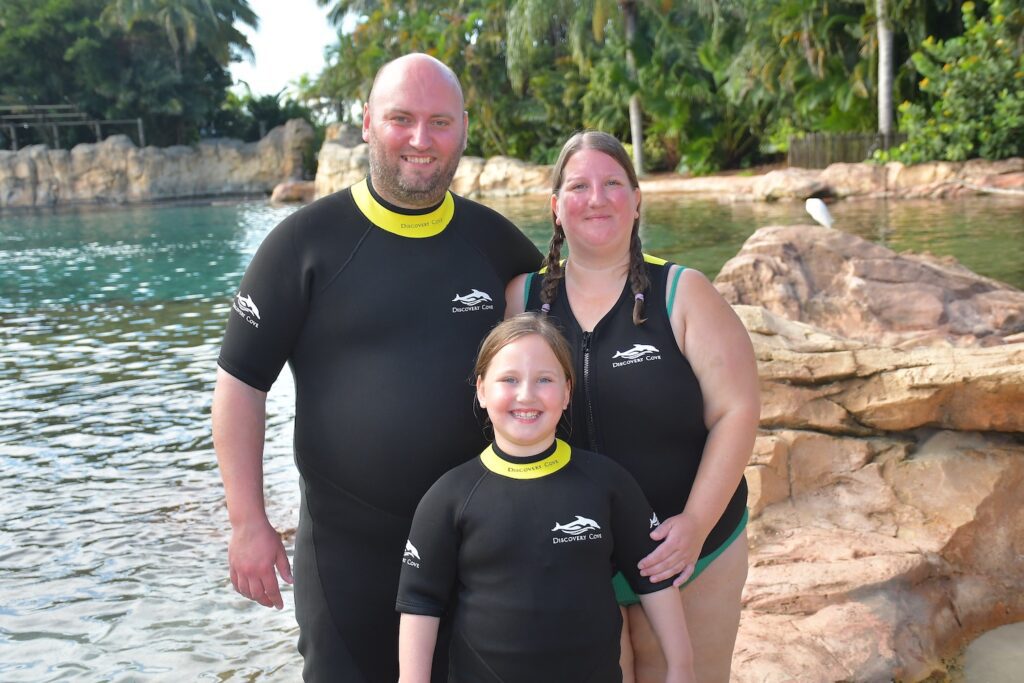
{"points": [[664, 609], [417, 636]]}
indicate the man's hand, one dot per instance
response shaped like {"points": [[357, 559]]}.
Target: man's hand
{"points": [[253, 554]]}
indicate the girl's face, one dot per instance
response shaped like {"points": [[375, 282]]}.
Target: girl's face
{"points": [[596, 205], [524, 392]]}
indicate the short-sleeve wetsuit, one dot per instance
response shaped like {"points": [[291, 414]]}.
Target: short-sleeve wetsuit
{"points": [[526, 548], [638, 401], [379, 313]]}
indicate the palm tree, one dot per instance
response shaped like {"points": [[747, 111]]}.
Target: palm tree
{"points": [[529, 21], [188, 23], [885, 72]]}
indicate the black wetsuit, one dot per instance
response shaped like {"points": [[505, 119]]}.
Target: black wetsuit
{"points": [[379, 321], [638, 401], [526, 547]]}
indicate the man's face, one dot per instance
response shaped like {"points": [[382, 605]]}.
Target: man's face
{"points": [[416, 129]]}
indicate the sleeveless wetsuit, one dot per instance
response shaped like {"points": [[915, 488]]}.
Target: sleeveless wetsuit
{"points": [[525, 548], [379, 313], [638, 401]]}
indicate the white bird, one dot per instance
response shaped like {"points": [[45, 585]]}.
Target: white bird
{"points": [[819, 211]]}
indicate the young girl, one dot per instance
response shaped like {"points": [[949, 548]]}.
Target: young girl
{"points": [[520, 543]]}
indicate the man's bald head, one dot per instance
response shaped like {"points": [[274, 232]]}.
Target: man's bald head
{"points": [[416, 125], [416, 63]]}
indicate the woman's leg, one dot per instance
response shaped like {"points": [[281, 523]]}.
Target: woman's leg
{"points": [[712, 606], [626, 649]]}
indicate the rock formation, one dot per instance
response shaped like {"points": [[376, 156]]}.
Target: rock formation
{"points": [[293, 191], [340, 165], [860, 290], [116, 171], [931, 180], [886, 527]]}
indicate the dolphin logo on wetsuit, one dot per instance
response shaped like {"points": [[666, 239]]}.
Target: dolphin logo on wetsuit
{"points": [[637, 351], [474, 298], [410, 551], [578, 526], [247, 304]]}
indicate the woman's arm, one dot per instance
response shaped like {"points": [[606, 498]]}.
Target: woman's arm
{"points": [[664, 609], [718, 348], [515, 297], [417, 637]]}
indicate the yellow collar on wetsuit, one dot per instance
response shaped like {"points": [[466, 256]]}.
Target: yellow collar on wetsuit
{"points": [[654, 260], [528, 470], [417, 225]]}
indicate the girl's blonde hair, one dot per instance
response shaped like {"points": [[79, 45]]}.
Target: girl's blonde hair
{"points": [[517, 327]]}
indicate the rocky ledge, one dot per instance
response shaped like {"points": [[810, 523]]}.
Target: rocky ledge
{"points": [[343, 162], [861, 290], [115, 171], [340, 165], [886, 526]]}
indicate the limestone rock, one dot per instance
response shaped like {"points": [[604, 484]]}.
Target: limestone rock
{"points": [[852, 287], [115, 171], [842, 387], [790, 183], [343, 134], [467, 177], [341, 166], [300, 191], [732, 188], [851, 180], [508, 177], [886, 529], [886, 569]]}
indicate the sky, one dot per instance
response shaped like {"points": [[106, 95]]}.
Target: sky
{"points": [[290, 42]]}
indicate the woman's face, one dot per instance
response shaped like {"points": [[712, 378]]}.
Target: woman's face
{"points": [[596, 205]]}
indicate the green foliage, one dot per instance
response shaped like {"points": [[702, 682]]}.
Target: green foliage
{"points": [[118, 59], [249, 117], [723, 83], [470, 38], [974, 92]]}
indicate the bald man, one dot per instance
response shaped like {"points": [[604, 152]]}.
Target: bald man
{"points": [[376, 297]]}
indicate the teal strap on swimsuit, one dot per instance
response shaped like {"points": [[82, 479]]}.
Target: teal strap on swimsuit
{"points": [[672, 290], [526, 289], [624, 593]]}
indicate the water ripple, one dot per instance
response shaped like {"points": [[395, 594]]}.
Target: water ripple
{"points": [[113, 530]]}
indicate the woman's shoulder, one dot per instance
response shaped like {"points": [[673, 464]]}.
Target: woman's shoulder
{"points": [[516, 293]]}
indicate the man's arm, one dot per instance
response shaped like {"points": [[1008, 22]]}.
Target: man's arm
{"points": [[255, 549]]}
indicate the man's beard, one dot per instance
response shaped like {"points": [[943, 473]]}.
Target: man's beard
{"points": [[388, 181]]}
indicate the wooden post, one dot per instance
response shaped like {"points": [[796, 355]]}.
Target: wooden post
{"points": [[142, 133], [14, 137], [96, 129]]}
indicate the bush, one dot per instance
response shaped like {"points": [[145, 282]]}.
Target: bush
{"points": [[975, 87]]}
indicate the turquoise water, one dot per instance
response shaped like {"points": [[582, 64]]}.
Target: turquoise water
{"points": [[112, 527]]}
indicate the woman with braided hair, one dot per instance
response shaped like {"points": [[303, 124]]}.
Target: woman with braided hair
{"points": [[667, 386]]}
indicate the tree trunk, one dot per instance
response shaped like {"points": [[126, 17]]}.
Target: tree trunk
{"points": [[636, 120], [885, 73]]}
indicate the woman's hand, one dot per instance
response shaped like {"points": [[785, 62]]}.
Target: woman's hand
{"points": [[681, 541]]}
